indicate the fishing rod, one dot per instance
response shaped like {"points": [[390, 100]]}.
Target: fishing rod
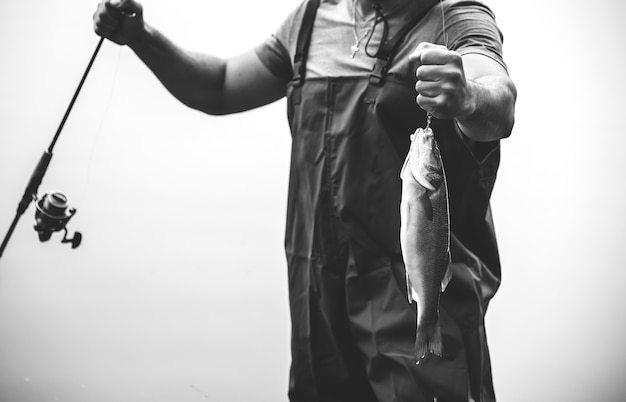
{"points": [[53, 210]]}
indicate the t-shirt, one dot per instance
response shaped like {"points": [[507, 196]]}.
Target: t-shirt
{"points": [[470, 27]]}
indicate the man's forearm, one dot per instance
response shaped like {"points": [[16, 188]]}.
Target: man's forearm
{"points": [[196, 80], [492, 109]]}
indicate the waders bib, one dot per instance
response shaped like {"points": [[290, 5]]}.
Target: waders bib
{"points": [[353, 331]]}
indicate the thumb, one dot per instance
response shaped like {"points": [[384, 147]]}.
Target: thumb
{"points": [[416, 56]]}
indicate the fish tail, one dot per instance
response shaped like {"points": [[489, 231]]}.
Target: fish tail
{"points": [[447, 277], [428, 340]]}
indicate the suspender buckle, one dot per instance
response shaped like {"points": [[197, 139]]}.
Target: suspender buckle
{"points": [[378, 71], [297, 73]]}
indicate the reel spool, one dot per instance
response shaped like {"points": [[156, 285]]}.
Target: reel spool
{"points": [[52, 215]]}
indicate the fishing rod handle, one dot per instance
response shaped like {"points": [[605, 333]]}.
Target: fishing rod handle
{"points": [[35, 180]]}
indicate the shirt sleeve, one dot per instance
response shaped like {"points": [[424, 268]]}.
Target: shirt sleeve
{"points": [[275, 57], [471, 28], [276, 52]]}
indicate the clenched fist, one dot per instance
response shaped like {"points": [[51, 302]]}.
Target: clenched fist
{"points": [[441, 84], [120, 21]]}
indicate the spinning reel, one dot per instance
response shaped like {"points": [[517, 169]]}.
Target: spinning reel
{"points": [[53, 210], [52, 215]]}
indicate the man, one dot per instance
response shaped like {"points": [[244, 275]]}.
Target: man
{"points": [[360, 76]]}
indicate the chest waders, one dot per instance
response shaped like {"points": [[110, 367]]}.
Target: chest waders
{"points": [[353, 332]]}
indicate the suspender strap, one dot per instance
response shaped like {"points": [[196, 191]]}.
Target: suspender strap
{"points": [[304, 39], [384, 56]]}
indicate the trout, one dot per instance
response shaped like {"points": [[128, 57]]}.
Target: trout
{"points": [[425, 237]]}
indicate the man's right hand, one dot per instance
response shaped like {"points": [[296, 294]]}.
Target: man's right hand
{"points": [[120, 21]]}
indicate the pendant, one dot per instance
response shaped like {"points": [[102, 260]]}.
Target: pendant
{"points": [[355, 49]]}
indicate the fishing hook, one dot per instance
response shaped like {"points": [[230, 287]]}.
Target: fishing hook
{"points": [[53, 211]]}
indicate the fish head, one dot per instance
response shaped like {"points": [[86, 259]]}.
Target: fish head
{"points": [[411, 156], [427, 167]]}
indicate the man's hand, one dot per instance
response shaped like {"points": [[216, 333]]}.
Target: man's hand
{"points": [[441, 83], [473, 89], [120, 21]]}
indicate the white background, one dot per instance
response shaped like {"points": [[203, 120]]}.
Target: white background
{"points": [[179, 291]]}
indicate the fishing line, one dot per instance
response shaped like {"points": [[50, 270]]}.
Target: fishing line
{"points": [[429, 116], [443, 26], [53, 211], [98, 136]]}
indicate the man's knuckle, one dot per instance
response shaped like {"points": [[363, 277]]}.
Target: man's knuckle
{"points": [[456, 74], [420, 73]]}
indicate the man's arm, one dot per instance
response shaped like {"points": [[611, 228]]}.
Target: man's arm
{"points": [[492, 110], [203, 82], [473, 89], [208, 83]]}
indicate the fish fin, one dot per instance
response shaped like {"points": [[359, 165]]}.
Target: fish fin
{"points": [[424, 178], [405, 165], [428, 339], [411, 294], [408, 287], [447, 277], [430, 179]]}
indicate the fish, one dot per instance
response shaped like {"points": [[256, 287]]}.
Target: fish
{"points": [[425, 237]]}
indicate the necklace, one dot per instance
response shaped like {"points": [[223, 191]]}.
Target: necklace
{"points": [[357, 40]]}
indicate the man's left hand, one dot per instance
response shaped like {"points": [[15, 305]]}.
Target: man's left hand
{"points": [[441, 83]]}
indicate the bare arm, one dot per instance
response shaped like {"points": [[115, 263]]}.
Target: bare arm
{"points": [[473, 89], [208, 83], [203, 82], [490, 111]]}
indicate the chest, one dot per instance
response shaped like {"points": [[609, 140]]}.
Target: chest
{"points": [[344, 44]]}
